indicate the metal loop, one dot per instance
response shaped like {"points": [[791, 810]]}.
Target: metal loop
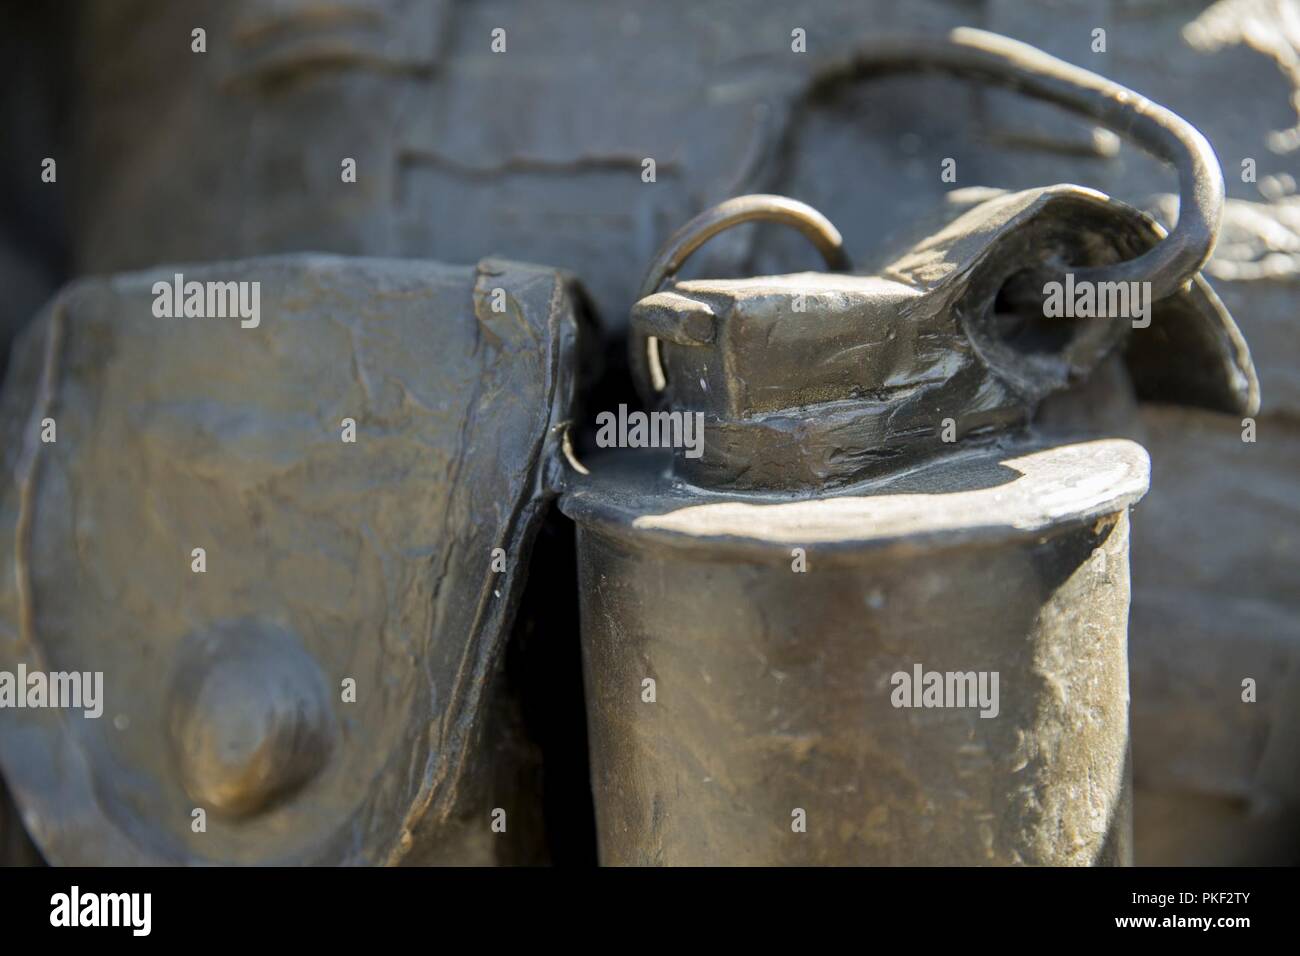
{"points": [[646, 366]]}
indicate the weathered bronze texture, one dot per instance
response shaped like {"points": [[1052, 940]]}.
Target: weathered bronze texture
{"points": [[773, 688], [871, 499], [1005, 549], [327, 561], [883, 359], [879, 355]]}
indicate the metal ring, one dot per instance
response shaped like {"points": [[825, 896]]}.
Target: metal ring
{"points": [[646, 366]]}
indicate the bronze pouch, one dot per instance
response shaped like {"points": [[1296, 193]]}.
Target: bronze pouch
{"points": [[326, 690]]}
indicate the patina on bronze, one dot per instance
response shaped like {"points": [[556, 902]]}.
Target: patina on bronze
{"points": [[872, 502], [829, 539], [327, 689]]}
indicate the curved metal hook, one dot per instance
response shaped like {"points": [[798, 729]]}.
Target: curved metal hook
{"points": [[646, 366], [1000, 61], [997, 61]]}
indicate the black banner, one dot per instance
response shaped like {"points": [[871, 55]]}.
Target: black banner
{"points": [[333, 906]]}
